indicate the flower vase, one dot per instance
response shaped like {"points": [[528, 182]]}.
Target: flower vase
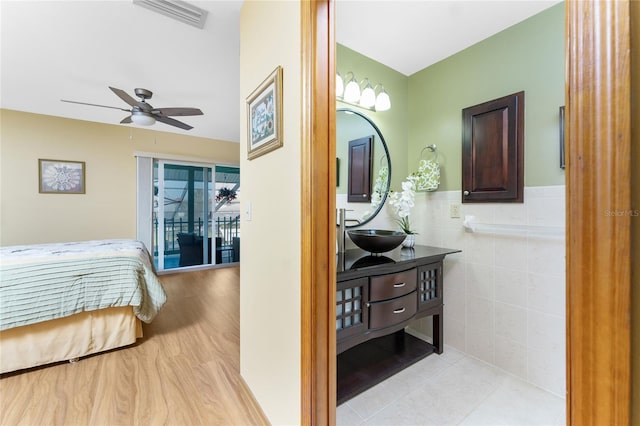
{"points": [[409, 241]]}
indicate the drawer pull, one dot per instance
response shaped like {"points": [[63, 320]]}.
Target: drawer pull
{"points": [[399, 311], [398, 285]]}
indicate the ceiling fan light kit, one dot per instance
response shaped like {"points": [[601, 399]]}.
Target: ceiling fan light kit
{"points": [[142, 118], [143, 113]]}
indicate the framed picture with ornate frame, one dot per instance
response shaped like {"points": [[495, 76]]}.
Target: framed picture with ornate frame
{"points": [[264, 116], [61, 177]]}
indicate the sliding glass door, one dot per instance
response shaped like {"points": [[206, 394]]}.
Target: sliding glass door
{"points": [[195, 215], [181, 226]]}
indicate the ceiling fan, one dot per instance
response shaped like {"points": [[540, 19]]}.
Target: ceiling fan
{"points": [[143, 113]]}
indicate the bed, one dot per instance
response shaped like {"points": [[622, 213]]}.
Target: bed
{"points": [[63, 301]]}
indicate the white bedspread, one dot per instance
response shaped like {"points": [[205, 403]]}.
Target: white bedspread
{"points": [[48, 281]]}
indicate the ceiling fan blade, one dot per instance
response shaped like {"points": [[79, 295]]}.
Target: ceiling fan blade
{"points": [[172, 122], [102, 106], [124, 96], [176, 111], [126, 120]]}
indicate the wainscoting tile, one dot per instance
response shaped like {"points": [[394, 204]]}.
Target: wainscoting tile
{"points": [[480, 249], [545, 331], [455, 334], [511, 286], [546, 256], [455, 305], [546, 293], [511, 357], [480, 280], [511, 322], [546, 369], [511, 252], [511, 214], [454, 274], [547, 211]]}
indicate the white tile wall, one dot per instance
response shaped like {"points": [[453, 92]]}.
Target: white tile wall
{"points": [[504, 295]]}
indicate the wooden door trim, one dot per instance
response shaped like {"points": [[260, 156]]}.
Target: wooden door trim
{"points": [[318, 174], [598, 137]]}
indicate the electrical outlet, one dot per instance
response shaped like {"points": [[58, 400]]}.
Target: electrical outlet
{"points": [[454, 210]]}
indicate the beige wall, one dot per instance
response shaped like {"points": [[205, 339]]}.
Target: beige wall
{"points": [[270, 280], [108, 209]]}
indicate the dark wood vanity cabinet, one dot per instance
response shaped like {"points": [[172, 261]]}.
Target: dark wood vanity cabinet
{"points": [[375, 302]]}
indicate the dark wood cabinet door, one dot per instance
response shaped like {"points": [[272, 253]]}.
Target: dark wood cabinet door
{"points": [[493, 150], [360, 169]]}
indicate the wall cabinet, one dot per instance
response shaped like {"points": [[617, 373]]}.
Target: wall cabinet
{"points": [[377, 297], [493, 150]]}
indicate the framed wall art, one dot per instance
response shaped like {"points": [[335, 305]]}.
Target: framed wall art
{"points": [[61, 177], [264, 116]]}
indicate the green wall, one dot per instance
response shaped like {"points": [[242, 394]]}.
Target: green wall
{"points": [[528, 56], [392, 123]]}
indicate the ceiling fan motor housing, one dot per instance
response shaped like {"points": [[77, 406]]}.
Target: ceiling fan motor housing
{"points": [[143, 93]]}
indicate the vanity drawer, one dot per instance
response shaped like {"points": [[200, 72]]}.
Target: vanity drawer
{"points": [[392, 285], [391, 312]]}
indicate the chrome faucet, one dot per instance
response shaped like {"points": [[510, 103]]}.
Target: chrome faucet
{"points": [[342, 220], [342, 213]]}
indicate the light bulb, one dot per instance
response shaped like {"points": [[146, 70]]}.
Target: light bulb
{"points": [[383, 102], [339, 85], [352, 91], [368, 98]]}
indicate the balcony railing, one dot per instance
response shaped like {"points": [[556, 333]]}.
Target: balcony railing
{"points": [[224, 227]]}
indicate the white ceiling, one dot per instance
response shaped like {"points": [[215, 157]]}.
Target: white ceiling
{"points": [[411, 35], [53, 50]]}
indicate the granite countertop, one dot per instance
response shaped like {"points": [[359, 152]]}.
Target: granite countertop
{"points": [[359, 260]]}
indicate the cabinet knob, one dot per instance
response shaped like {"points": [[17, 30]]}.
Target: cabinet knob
{"points": [[466, 192], [364, 195], [399, 311]]}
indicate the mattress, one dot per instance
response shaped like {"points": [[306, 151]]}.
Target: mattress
{"points": [[50, 281]]}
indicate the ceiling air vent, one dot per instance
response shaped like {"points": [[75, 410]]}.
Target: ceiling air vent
{"points": [[176, 9]]}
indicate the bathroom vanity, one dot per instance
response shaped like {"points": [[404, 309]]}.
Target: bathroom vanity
{"points": [[377, 296]]}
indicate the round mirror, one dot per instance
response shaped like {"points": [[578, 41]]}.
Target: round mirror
{"points": [[363, 167]]}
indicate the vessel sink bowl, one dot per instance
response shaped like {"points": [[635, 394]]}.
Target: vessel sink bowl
{"points": [[376, 240]]}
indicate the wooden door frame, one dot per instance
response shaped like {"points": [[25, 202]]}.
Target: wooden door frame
{"points": [[318, 174], [598, 138], [598, 183]]}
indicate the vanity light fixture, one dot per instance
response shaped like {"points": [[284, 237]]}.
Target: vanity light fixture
{"points": [[352, 89], [351, 94]]}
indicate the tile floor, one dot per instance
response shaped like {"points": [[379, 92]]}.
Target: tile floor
{"points": [[453, 389]]}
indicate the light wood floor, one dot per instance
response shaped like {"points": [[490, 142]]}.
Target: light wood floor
{"points": [[185, 371]]}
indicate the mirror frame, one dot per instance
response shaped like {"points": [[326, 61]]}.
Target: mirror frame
{"points": [[386, 151]]}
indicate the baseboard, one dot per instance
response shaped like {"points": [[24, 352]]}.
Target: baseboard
{"points": [[251, 402]]}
